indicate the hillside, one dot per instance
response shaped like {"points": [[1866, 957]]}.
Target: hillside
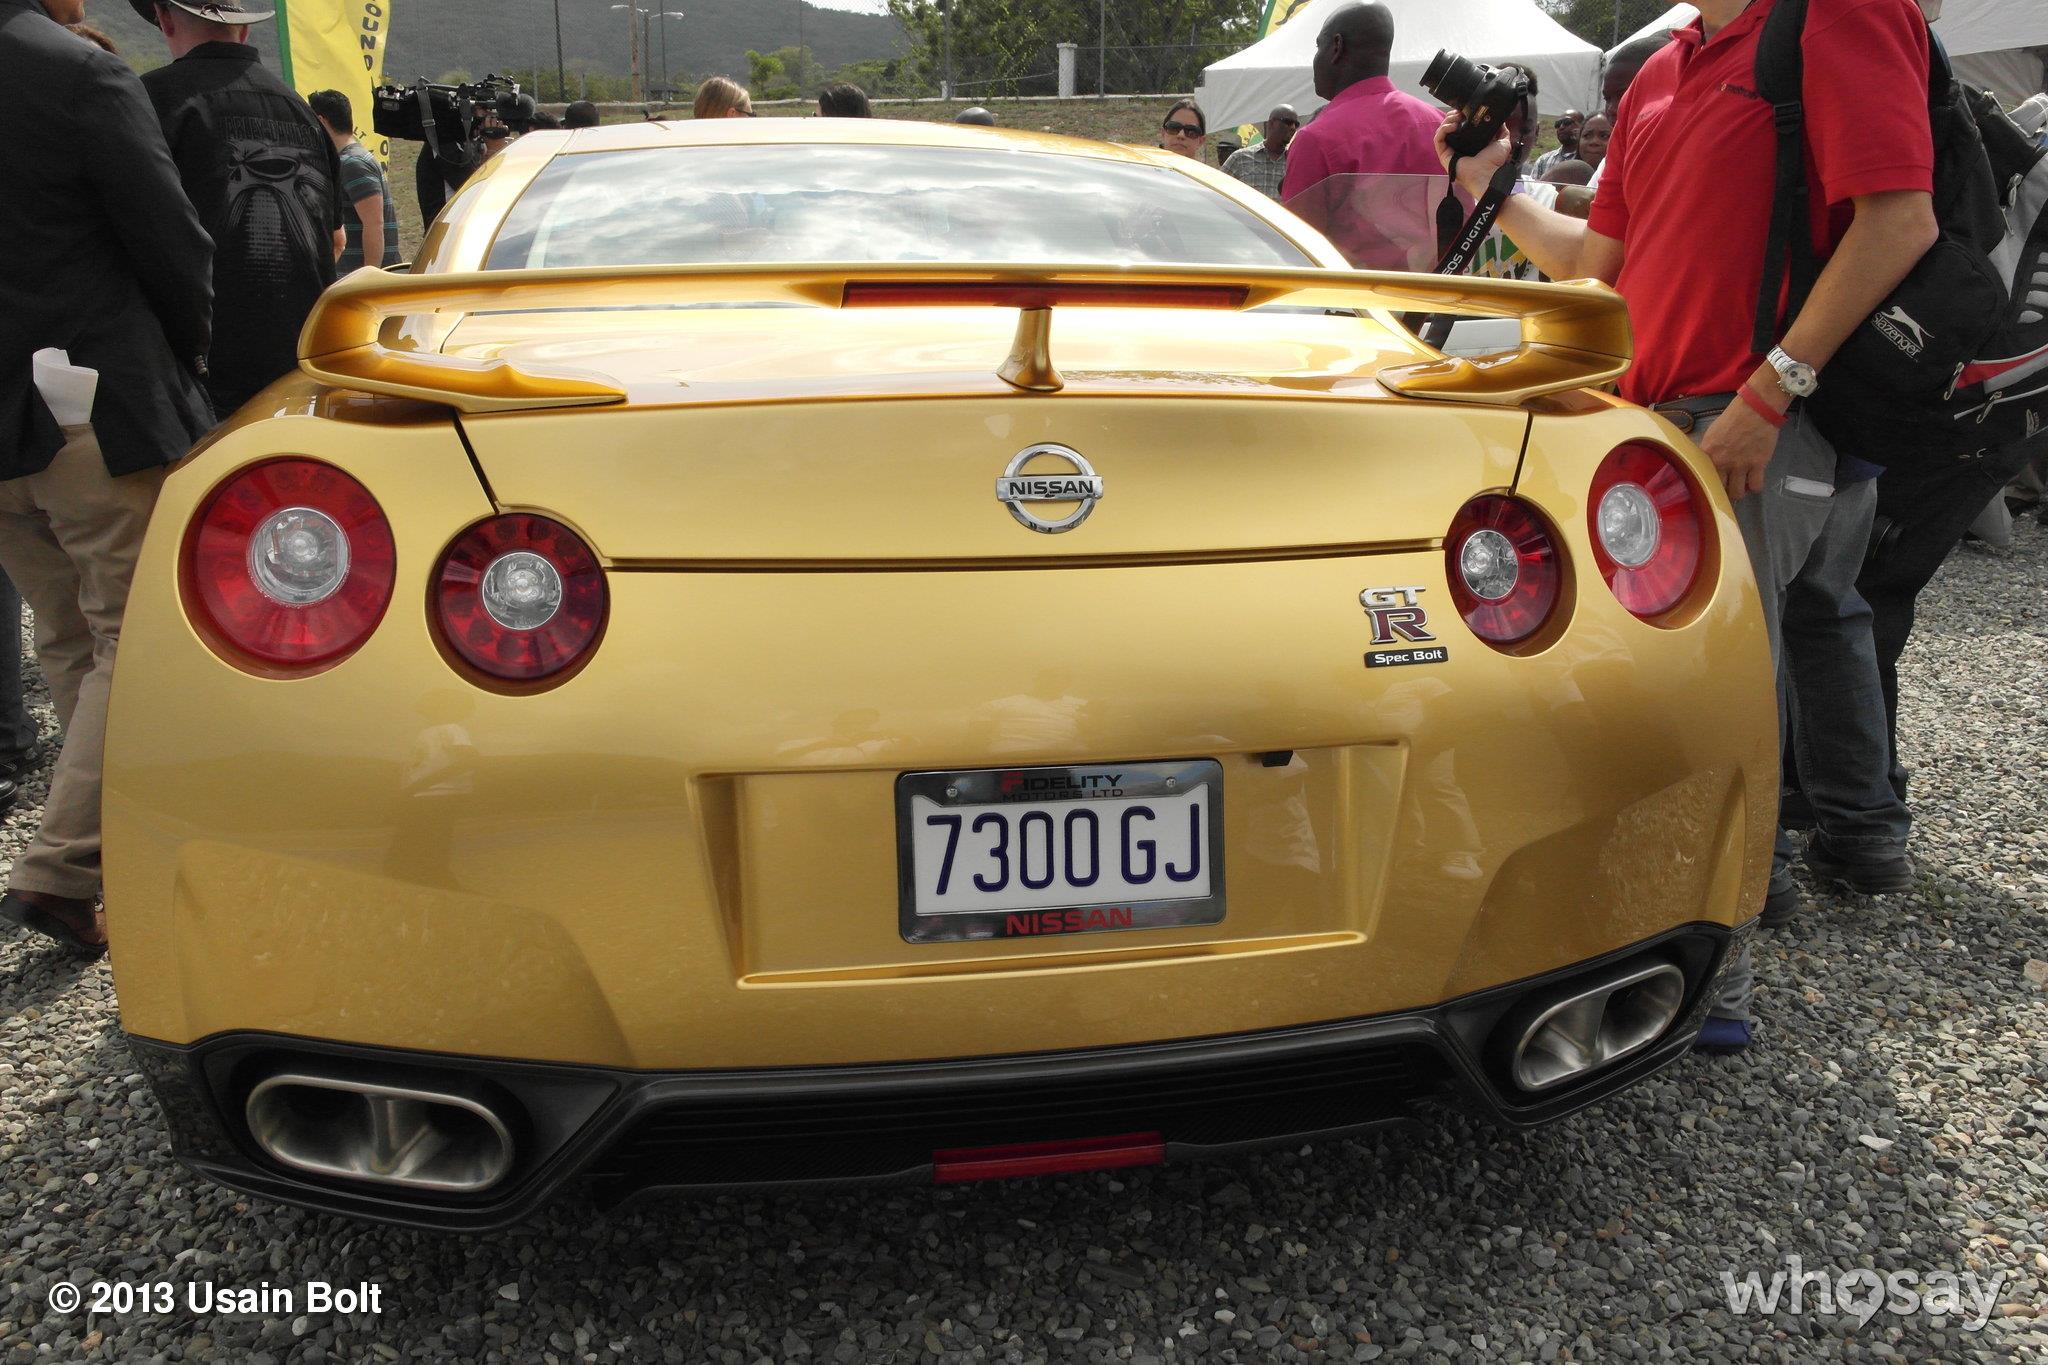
{"points": [[431, 37]]}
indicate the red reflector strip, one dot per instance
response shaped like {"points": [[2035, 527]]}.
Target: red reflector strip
{"points": [[1047, 1158], [972, 293]]}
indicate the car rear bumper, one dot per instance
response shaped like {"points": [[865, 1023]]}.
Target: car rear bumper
{"points": [[624, 1133]]}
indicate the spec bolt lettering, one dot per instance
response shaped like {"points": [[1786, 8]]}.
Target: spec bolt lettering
{"points": [[1394, 658]]}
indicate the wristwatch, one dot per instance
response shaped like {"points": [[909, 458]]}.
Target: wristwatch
{"points": [[1794, 377]]}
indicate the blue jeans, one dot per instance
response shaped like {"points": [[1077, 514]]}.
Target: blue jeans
{"points": [[1806, 540], [1839, 732]]}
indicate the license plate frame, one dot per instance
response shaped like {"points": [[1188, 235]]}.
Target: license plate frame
{"points": [[1051, 788]]}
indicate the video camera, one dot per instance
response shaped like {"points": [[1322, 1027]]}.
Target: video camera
{"points": [[1485, 95], [453, 120]]}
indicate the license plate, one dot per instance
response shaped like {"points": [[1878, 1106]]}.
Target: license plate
{"points": [[1028, 852]]}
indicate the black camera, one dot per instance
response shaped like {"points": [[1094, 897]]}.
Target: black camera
{"points": [[453, 120], [1485, 95]]}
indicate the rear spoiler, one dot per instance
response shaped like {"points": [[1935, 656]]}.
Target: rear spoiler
{"points": [[1573, 334]]}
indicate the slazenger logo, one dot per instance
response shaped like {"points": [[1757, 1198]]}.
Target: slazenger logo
{"points": [[1897, 327]]}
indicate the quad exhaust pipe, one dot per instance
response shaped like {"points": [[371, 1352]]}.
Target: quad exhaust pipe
{"points": [[421, 1140], [1597, 1024]]}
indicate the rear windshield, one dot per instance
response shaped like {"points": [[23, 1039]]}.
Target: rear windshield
{"points": [[708, 205]]}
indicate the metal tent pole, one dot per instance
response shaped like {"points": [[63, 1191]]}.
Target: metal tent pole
{"points": [[1101, 49]]}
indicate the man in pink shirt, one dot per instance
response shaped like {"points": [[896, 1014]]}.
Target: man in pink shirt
{"points": [[1368, 129]]}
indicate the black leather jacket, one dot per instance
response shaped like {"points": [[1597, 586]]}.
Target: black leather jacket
{"points": [[103, 254]]}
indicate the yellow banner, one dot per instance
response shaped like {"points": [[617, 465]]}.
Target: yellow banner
{"points": [[338, 45]]}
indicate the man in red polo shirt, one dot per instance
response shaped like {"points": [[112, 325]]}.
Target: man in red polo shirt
{"points": [[1679, 228], [1357, 171]]}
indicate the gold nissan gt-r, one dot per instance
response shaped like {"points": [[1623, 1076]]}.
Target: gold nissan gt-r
{"points": [[803, 651]]}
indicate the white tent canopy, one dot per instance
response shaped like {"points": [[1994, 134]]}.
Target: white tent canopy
{"points": [[1987, 38], [2013, 75], [1966, 27], [1244, 87]]}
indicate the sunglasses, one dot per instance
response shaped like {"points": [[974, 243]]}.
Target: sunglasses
{"points": [[1184, 129]]}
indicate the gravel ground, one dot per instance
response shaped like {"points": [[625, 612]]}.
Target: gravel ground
{"points": [[1893, 1118]]}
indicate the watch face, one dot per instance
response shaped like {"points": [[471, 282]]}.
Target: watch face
{"points": [[1795, 377]]}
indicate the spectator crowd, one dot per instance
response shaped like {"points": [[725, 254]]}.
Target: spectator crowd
{"points": [[172, 231]]}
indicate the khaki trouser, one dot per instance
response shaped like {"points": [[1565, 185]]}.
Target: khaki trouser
{"points": [[69, 537]]}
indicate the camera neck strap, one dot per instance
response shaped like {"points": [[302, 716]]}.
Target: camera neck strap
{"points": [[1457, 235], [427, 124]]}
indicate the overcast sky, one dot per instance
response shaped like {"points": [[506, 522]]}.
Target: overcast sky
{"points": [[864, 6]]}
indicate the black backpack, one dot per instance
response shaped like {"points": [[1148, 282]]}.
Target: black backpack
{"points": [[1955, 362]]}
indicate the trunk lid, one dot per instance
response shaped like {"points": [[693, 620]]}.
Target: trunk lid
{"points": [[798, 435]]}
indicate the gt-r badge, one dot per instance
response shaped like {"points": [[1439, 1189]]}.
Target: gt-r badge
{"points": [[1397, 615], [1060, 475], [1399, 620]]}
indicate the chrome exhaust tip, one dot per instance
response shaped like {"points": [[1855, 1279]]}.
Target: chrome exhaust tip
{"points": [[1597, 1025], [385, 1134]]}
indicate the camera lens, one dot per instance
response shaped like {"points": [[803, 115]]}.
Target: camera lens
{"points": [[1451, 78]]}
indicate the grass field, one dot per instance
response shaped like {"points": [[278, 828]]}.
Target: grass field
{"points": [[1117, 120]]}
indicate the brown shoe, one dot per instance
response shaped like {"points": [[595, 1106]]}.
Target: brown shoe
{"points": [[72, 922]]}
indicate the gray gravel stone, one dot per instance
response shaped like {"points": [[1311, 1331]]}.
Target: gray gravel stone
{"points": [[1893, 1116]]}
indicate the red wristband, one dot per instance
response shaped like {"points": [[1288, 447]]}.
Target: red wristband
{"points": [[1763, 409]]}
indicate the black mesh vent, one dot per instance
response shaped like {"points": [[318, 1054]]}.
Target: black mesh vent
{"points": [[880, 1132]]}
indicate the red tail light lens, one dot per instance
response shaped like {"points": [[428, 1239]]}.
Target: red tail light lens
{"points": [[1647, 524], [1503, 567], [290, 563], [520, 597]]}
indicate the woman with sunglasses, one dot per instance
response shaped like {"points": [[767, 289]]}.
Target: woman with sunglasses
{"points": [[722, 97], [1186, 131]]}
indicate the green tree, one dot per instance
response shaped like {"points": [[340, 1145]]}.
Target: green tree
{"points": [[1010, 47], [880, 78], [778, 75], [1603, 23]]}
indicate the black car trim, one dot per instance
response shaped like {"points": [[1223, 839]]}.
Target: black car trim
{"points": [[199, 1084]]}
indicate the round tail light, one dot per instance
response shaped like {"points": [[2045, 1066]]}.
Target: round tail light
{"points": [[520, 597], [1503, 567], [1647, 524], [289, 563]]}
